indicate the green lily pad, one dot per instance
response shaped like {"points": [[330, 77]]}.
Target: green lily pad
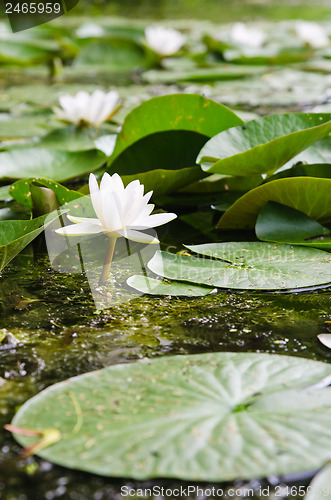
{"points": [[263, 145], [41, 162], [169, 140], [322, 170], [162, 181], [310, 195], [25, 126], [114, 54], [156, 287], [219, 73], [21, 191], [17, 234], [73, 139], [320, 485], [177, 112], [246, 266], [206, 417], [26, 52], [284, 224]]}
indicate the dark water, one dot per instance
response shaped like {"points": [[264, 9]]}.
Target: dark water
{"points": [[54, 332]]}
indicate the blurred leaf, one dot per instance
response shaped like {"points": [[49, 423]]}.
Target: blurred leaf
{"points": [[114, 53], [57, 165]]}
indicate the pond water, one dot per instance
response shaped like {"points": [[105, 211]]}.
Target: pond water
{"points": [[49, 327]]}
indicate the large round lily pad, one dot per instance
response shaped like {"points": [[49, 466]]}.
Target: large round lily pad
{"points": [[247, 265], [218, 416]]}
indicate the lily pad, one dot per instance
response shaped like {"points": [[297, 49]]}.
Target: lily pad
{"points": [[25, 126], [284, 224], [177, 127], [26, 52], [180, 112], [73, 139], [246, 266], [263, 145], [152, 286], [115, 54], [206, 417], [219, 73], [320, 485], [310, 195], [17, 234], [21, 191], [41, 162]]}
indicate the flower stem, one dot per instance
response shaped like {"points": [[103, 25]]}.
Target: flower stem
{"points": [[108, 260]]}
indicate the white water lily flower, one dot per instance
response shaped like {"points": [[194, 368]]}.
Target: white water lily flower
{"points": [[85, 108], [325, 338], [121, 211], [164, 41], [251, 37], [312, 34]]}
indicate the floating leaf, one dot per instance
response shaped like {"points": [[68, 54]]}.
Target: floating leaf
{"points": [[176, 129], [180, 112], [139, 420], [25, 126], [263, 145], [320, 485], [114, 54], [21, 191], [310, 195], [157, 287], [72, 138], [56, 165], [284, 224], [17, 234], [246, 266], [26, 52], [219, 73]]}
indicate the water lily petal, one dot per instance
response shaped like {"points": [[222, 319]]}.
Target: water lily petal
{"points": [[111, 101], [78, 220], [153, 220], [95, 108], [80, 229], [95, 197], [137, 236], [111, 218]]}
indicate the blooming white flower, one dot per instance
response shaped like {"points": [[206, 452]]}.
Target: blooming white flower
{"points": [[121, 211], [251, 37], [312, 34], [164, 41], [325, 338], [83, 107]]}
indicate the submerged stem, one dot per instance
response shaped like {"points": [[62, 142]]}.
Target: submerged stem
{"points": [[108, 260]]}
